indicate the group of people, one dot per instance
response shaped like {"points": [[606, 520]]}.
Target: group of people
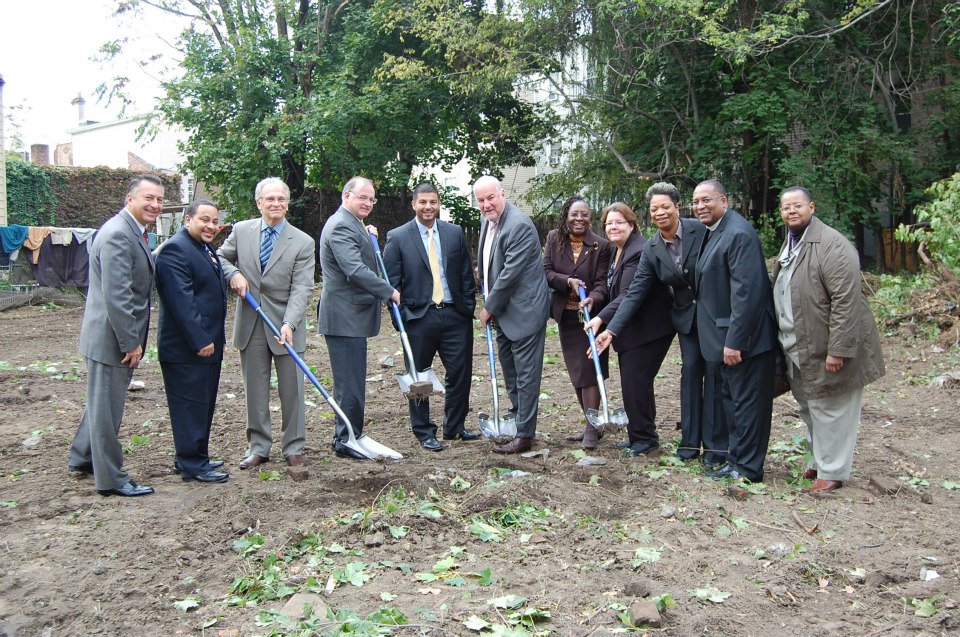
{"points": [[703, 279]]}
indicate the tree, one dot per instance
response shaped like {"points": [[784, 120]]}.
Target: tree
{"points": [[759, 94], [296, 89]]}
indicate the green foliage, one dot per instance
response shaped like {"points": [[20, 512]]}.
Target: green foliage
{"points": [[70, 197], [937, 225], [318, 91], [30, 198]]}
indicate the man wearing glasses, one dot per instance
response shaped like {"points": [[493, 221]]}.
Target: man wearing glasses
{"points": [[735, 322], [349, 309], [275, 262]]}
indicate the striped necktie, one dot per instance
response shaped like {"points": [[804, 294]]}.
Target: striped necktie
{"points": [[266, 246]]}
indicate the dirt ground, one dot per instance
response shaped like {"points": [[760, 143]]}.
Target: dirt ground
{"points": [[452, 540]]}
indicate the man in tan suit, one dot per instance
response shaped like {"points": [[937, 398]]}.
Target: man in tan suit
{"points": [[275, 262]]}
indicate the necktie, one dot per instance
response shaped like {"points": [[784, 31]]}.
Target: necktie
{"points": [[434, 269], [266, 246], [146, 239]]}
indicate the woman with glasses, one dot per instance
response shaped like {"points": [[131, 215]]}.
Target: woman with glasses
{"points": [[575, 257], [671, 258], [642, 343]]}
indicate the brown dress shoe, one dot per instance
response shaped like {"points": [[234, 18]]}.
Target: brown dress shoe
{"points": [[517, 445], [253, 460], [295, 460], [822, 486], [809, 474]]}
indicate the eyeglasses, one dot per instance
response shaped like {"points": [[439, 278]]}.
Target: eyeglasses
{"points": [[706, 201], [274, 199], [372, 200], [613, 224], [797, 207]]}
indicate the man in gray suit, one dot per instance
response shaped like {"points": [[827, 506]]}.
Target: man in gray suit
{"points": [[275, 261], [516, 299], [113, 335], [349, 310]]}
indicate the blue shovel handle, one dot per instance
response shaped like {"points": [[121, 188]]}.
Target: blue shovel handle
{"points": [[383, 270], [590, 334]]}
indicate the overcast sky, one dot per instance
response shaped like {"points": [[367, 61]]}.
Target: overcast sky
{"points": [[46, 51]]}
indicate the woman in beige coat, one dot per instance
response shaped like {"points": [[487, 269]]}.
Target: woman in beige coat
{"points": [[828, 335]]}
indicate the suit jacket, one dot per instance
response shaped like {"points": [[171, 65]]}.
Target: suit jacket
{"points": [[283, 288], [655, 265], [193, 301], [517, 294], [591, 268], [734, 297], [408, 267], [352, 291], [117, 313], [651, 320]]}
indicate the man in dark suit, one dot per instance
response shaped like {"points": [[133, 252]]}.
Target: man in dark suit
{"points": [[429, 262], [516, 299], [275, 261], [190, 337], [735, 323], [349, 310], [113, 335], [671, 259]]}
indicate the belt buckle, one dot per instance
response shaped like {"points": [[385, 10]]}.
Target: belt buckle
{"points": [[439, 305]]}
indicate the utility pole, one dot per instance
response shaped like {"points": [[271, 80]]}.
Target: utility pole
{"points": [[3, 163]]}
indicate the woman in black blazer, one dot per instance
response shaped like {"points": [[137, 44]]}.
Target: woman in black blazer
{"points": [[574, 256], [642, 345]]}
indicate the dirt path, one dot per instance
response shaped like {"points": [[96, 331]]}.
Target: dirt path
{"points": [[437, 536]]}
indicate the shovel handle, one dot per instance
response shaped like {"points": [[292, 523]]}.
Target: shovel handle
{"points": [[383, 275], [293, 353], [596, 355]]}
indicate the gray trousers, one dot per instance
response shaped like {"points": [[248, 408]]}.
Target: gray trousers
{"points": [[522, 364], [348, 362], [97, 442], [255, 362], [832, 424]]}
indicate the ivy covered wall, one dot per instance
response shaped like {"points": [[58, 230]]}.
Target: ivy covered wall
{"points": [[69, 197]]}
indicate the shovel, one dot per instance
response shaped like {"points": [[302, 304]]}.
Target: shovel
{"points": [[364, 445], [414, 385], [495, 426], [612, 417]]}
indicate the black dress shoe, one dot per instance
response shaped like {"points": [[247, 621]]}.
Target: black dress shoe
{"points": [[431, 444], [346, 452], [209, 476], [642, 448], [732, 472], [129, 489], [462, 435], [85, 468], [623, 445], [214, 464]]}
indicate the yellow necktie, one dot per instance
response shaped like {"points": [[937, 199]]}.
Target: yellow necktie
{"points": [[434, 269]]}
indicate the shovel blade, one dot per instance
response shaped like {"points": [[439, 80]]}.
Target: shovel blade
{"points": [[426, 384], [373, 449], [494, 428], [618, 418]]}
